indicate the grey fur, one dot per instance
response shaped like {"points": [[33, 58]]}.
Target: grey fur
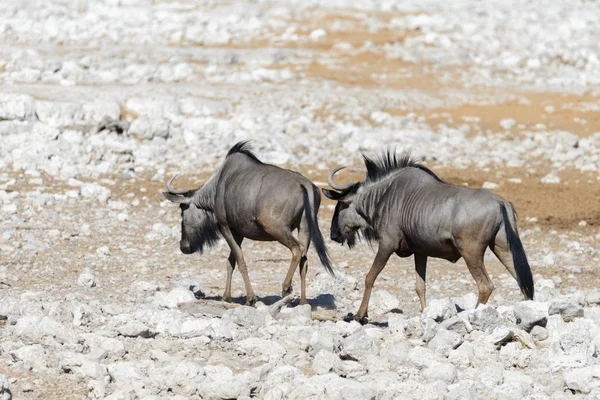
{"points": [[407, 209], [247, 198]]}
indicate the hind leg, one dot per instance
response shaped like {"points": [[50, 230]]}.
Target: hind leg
{"points": [[500, 248], [421, 268], [304, 238], [502, 251], [473, 256], [286, 238]]}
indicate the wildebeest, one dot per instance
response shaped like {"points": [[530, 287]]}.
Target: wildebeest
{"points": [[247, 198], [407, 209]]}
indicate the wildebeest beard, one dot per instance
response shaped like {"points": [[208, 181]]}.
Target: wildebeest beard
{"points": [[206, 233], [367, 234]]}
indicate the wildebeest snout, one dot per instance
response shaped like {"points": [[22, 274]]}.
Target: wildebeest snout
{"points": [[185, 247]]}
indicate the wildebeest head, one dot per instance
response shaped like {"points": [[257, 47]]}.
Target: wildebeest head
{"points": [[346, 221], [199, 227]]}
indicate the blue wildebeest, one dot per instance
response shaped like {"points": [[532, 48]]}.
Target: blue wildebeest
{"points": [[247, 198], [408, 210]]}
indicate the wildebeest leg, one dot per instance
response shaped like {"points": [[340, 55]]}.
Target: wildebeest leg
{"points": [[383, 255], [500, 248], [230, 268], [239, 258], [421, 268], [304, 239], [287, 239], [473, 256]]}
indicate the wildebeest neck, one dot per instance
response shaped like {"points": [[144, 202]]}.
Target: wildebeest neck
{"points": [[204, 197]]}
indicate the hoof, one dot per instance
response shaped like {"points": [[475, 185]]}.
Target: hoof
{"points": [[361, 320], [227, 299], [349, 317], [287, 291], [251, 301]]}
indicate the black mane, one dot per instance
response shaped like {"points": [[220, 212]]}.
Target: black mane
{"points": [[243, 147], [388, 162]]}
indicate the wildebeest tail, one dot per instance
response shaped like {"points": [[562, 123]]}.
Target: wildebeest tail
{"points": [[313, 227], [521, 265]]}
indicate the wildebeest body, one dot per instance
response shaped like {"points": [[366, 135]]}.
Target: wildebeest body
{"points": [[250, 198], [246, 198], [408, 210]]}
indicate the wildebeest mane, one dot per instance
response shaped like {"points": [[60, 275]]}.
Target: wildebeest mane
{"points": [[388, 162], [243, 147]]}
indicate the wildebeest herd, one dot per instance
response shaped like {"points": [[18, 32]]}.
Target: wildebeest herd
{"points": [[402, 206]]}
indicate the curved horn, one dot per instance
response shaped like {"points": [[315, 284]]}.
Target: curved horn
{"points": [[334, 185], [173, 191]]}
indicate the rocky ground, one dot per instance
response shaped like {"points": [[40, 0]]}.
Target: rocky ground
{"points": [[102, 101]]}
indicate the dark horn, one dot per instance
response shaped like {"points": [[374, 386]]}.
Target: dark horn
{"points": [[173, 191], [334, 185]]}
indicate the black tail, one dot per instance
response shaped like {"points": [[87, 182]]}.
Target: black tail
{"points": [[313, 228], [522, 269]]}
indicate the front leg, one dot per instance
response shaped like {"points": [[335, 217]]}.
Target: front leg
{"points": [[383, 255], [230, 268], [239, 258], [421, 268]]}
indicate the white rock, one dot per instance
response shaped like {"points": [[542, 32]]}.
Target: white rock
{"points": [[135, 329], [318, 34], [383, 302], [548, 259], [467, 302], [444, 341], [5, 393], [422, 357], [462, 356], [551, 178], [9, 209], [531, 313], [485, 318], [440, 371], [16, 106], [507, 123], [95, 191], [264, 350], [395, 351], [175, 297], [539, 333], [569, 307], [545, 290], [358, 346], [439, 309], [33, 357], [248, 317], [582, 380], [490, 185], [324, 362], [299, 315], [592, 297], [86, 278], [457, 324], [81, 315], [70, 362]]}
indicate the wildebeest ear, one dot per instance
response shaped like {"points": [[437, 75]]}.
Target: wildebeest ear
{"points": [[332, 194], [176, 198]]}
